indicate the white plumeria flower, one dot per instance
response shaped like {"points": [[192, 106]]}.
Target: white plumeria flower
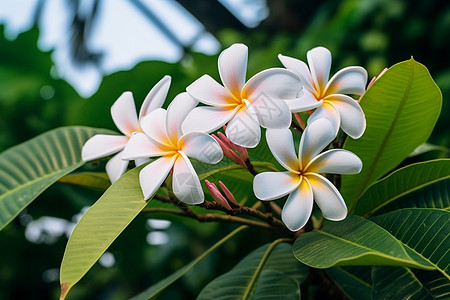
{"points": [[123, 113], [302, 181], [245, 106], [164, 137], [329, 96]]}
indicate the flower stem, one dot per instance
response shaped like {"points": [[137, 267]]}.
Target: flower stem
{"points": [[250, 167]]}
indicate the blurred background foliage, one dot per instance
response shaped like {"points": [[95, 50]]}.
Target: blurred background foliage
{"points": [[371, 33]]}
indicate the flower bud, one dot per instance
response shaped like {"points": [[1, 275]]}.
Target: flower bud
{"points": [[228, 193], [217, 196]]}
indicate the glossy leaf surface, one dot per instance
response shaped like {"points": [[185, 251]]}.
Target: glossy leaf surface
{"points": [[401, 109], [27, 169]]}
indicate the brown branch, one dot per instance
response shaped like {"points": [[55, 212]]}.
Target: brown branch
{"points": [[215, 218]]}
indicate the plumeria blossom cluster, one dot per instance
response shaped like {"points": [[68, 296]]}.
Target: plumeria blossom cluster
{"points": [[167, 139]]}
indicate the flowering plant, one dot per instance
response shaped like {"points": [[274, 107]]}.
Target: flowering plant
{"points": [[371, 214]]}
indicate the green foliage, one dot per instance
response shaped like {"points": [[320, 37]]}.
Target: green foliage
{"points": [[355, 242], [355, 282], [401, 109], [153, 291], [26, 170], [270, 270], [406, 283], [396, 191], [95, 180], [422, 184], [423, 230], [99, 227]]}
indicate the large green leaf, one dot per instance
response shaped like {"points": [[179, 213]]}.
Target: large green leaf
{"points": [[355, 282], [423, 184], [401, 109], [27, 169], [100, 226], [354, 241], [249, 278], [153, 291], [406, 283], [424, 230]]}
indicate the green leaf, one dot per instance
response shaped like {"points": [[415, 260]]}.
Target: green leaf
{"points": [[27, 169], [275, 285], [351, 242], [426, 231], [95, 180], [248, 279], [406, 283], [401, 109], [423, 184], [100, 226], [158, 288], [427, 147], [355, 282]]}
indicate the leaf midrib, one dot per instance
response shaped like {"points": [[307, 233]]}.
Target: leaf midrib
{"points": [[413, 189], [259, 268], [381, 254], [385, 140], [427, 260]]}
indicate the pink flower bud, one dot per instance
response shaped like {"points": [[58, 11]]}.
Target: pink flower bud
{"points": [[217, 196], [299, 120], [227, 193], [229, 152], [225, 140], [242, 151]]}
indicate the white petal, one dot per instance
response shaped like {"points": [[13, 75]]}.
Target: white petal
{"points": [[233, 68], [141, 146], [319, 61], [155, 98], [353, 120], [201, 146], [328, 111], [140, 161], [207, 119], [281, 144], [298, 207], [123, 112], [185, 183], [350, 80], [327, 198], [243, 129], [154, 125], [275, 83], [101, 145], [272, 113], [273, 185], [315, 138], [305, 102], [152, 176], [116, 167], [177, 111], [300, 68], [336, 161], [210, 92]]}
